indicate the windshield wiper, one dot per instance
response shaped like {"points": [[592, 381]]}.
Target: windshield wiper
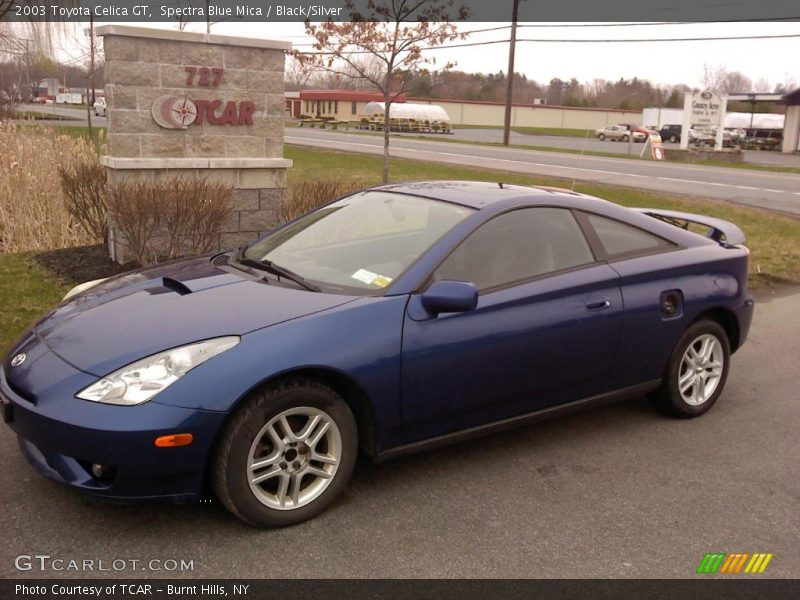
{"points": [[271, 267], [288, 274]]}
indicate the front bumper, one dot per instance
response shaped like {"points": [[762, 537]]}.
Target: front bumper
{"points": [[62, 437]]}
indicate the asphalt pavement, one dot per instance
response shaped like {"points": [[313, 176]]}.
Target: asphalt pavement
{"points": [[614, 492], [773, 191]]}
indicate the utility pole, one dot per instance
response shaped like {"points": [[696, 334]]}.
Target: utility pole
{"points": [[510, 74], [90, 78]]}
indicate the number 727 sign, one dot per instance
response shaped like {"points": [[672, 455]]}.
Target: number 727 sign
{"points": [[206, 76]]}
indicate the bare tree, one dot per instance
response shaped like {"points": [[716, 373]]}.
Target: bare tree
{"points": [[721, 81], [395, 33], [297, 74]]}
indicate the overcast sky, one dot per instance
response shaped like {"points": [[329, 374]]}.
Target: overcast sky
{"points": [[776, 60]]}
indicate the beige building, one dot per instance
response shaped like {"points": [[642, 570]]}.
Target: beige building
{"points": [[492, 114], [348, 105], [341, 105]]}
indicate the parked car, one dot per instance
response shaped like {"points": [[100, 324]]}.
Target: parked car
{"points": [[619, 132], [646, 131], [452, 310], [100, 107], [702, 136], [42, 100], [671, 133], [763, 139]]}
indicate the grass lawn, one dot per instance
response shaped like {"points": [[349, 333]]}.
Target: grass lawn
{"points": [[27, 291], [98, 133], [773, 239]]}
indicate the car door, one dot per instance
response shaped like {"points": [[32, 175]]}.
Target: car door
{"points": [[545, 330], [652, 277]]}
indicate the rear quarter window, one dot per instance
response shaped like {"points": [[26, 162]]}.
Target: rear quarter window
{"points": [[622, 240]]}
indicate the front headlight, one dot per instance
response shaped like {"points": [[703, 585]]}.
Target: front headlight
{"points": [[138, 382], [82, 287]]}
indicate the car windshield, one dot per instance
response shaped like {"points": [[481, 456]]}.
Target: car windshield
{"points": [[359, 244]]}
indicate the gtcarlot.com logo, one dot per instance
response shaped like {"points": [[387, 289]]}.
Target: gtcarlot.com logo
{"points": [[734, 562], [46, 562]]}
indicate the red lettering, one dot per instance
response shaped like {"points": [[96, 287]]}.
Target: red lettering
{"points": [[229, 116], [211, 115], [246, 110], [202, 108]]}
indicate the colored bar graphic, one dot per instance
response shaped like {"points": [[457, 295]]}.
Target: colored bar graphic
{"points": [[720, 562], [711, 562]]}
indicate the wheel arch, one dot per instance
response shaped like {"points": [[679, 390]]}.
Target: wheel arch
{"points": [[727, 320], [341, 383]]}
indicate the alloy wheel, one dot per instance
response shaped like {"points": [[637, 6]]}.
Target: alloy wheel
{"points": [[701, 369], [294, 458]]}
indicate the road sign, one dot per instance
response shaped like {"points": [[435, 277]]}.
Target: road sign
{"points": [[655, 146], [706, 108]]}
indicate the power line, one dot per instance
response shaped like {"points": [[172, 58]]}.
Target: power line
{"points": [[578, 41], [659, 23]]}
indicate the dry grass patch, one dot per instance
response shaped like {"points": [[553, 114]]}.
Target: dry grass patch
{"points": [[33, 210]]}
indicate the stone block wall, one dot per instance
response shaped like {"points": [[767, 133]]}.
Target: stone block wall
{"points": [[145, 65]]}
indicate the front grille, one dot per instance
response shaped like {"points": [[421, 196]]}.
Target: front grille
{"points": [[220, 260]]}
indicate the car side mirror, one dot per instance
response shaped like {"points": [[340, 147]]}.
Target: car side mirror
{"points": [[450, 297]]}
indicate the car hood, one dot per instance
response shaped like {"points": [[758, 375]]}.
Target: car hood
{"points": [[146, 311]]}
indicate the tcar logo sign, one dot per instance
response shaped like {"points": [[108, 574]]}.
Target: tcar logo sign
{"points": [[179, 112], [18, 359], [174, 112]]}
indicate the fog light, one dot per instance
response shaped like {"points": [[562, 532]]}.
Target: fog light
{"points": [[104, 472]]}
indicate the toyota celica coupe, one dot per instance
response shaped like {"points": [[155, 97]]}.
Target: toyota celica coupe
{"points": [[394, 320]]}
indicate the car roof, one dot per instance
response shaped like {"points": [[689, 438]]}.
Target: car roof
{"points": [[480, 194]]}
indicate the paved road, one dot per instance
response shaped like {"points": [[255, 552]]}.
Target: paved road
{"points": [[773, 191], [69, 111], [614, 492], [592, 144]]}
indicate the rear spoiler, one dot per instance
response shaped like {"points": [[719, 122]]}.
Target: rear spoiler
{"points": [[724, 232]]}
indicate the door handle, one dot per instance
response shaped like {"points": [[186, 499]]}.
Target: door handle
{"points": [[598, 304]]}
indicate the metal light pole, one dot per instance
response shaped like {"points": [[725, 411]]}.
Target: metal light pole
{"points": [[510, 74]]}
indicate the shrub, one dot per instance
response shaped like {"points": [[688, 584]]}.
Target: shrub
{"points": [[159, 221], [33, 210], [84, 187], [309, 194]]}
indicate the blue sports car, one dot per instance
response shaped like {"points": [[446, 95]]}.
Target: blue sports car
{"points": [[394, 320]]}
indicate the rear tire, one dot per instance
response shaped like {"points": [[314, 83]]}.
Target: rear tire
{"points": [[696, 371], [673, 139], [602, 137], [625, 138], [286, 454]]}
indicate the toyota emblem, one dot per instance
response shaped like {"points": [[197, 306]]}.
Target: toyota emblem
{"points": [[18, 359]]}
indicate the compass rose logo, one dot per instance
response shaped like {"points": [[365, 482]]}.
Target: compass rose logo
{"points": [[174, 112]]}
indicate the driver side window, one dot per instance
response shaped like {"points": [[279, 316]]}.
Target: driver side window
{"points": [[517, 246]]}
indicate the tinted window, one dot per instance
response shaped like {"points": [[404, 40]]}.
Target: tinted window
{"points": [[362, 242], [516, 246], [619, 238]]}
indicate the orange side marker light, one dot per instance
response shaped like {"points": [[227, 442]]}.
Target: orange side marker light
{"points": [[174, 440]]}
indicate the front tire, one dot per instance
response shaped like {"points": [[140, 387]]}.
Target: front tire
{"points": [[696, 371], [602, 137], [625, 138], [286, 454]]}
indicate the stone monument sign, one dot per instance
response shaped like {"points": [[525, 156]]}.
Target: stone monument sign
{"points": [[198, 105]]}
